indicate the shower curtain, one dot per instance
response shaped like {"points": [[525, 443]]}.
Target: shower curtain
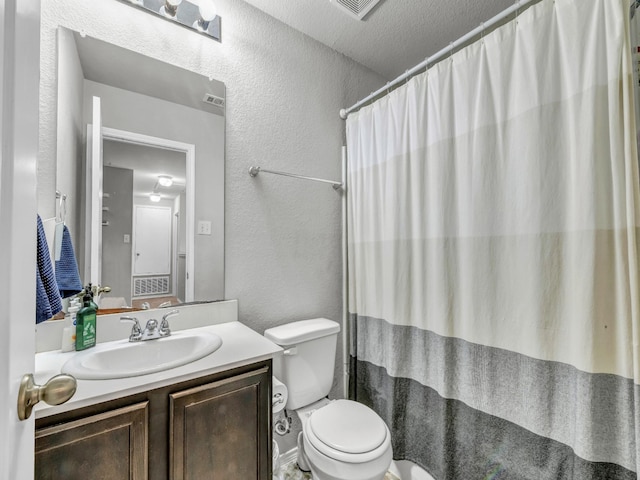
{"points": [[493, 253]]}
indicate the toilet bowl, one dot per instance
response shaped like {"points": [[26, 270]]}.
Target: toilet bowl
{"points": [[345, 440], [340, 439]]}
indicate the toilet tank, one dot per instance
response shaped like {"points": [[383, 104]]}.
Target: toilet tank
{"points": [[308, 360]]}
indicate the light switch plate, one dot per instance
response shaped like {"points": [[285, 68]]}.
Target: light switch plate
{"points": [[127, 238], [204, 227]]}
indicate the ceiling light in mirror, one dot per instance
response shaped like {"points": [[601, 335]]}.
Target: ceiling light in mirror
{"points": [[155, 197], [165, 180]]}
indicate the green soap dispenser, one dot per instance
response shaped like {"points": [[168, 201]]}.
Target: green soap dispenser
{"points": [[86, 325]]}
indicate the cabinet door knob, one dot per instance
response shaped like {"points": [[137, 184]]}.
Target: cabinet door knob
{"points": [[56, 391]]}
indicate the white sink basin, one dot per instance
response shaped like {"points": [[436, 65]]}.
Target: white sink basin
{"points": [[122, 358]]}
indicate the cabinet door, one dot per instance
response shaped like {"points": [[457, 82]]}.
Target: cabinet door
{"points": [[222, 430], [111, 445]]}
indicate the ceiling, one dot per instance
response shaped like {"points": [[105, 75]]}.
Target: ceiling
{"points": [[394, 36]]}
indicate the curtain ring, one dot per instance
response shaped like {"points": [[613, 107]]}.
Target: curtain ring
{"points": [[517, 11], [482, 33], [451, 51]]}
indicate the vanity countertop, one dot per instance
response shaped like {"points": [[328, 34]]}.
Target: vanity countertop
{"points": [[240, 346]]}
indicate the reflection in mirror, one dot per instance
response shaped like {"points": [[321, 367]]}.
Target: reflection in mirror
{"points": [[145, 213], [141, 100]]}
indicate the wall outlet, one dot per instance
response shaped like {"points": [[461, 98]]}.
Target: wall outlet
{"points": [[204, 227], [127, 238]]}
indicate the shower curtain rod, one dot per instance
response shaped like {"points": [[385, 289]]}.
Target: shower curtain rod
{"points": [[254, 171], [519, 4]]}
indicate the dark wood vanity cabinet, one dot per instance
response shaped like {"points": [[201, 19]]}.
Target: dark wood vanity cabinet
{"points": [[216, 427]]}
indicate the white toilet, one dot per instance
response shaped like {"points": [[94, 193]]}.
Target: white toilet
{"points": [[342, 439]]}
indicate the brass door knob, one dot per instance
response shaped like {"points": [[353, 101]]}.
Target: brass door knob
{"points": [[56, 391]]}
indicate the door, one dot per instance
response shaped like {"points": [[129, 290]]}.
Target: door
{"points": [[112, 445], [221, 430], [152, 240], [19, 84], [93, 203]]}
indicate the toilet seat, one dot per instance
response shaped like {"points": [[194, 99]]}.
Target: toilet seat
{"points": [[348, 431]]}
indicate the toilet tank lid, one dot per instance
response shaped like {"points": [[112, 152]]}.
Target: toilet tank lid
{"points": [[301, 331]]}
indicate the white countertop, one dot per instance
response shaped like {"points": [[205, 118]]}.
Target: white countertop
{"points": [[240, 346]]}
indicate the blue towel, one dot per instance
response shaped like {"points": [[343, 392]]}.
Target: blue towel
{"points": [[67, 275], [48, 301]]}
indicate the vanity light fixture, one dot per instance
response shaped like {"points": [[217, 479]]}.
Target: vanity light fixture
{"points": [[165, 180], [197, 15], [154, 197]]}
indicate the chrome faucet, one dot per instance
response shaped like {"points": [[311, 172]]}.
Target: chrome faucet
{"points": [[151, 330]]}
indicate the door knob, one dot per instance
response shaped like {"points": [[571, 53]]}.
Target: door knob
{"points": [[56, 391]]}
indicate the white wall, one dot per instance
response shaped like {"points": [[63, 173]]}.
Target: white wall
{"points": [[68, 174]]}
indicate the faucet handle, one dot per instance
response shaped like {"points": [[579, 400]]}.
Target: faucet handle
{"points": [[170, 314], [136, 331], [165, 331]]}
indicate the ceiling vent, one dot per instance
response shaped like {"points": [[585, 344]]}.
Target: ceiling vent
{"points": [[213, 100], [356, 8]]}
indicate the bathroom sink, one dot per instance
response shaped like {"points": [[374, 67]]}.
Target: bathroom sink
{"points": [[122, 358]]}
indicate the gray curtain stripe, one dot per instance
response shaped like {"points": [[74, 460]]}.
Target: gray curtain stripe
{"points": [[592, 414], [453, 441]]}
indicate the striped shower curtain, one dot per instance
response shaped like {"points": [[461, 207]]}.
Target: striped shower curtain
{"points": [[493, 253]]}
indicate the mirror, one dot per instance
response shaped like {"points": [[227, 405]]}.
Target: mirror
{"points": [[157, 120]]}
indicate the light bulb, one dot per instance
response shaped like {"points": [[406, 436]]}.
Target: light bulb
{"points": [[207, 10], [207, 13], [154, 197], [170, 8], [165, 180]]}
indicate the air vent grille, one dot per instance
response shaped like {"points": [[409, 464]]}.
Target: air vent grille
{"points": [[150, 286], [356, 8], [213, 100]]}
